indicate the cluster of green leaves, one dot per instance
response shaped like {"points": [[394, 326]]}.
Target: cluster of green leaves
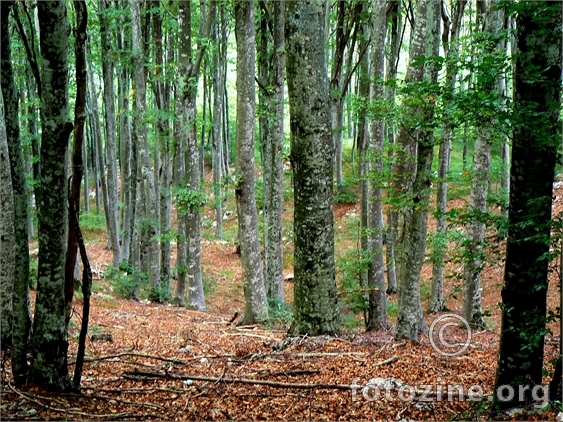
{"points": [[184, 199], [350, 268], [280, 313]]}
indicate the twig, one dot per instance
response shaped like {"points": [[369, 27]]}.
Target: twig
{"points": [[136, 354], [387, 361], [151, 376], [122, 415], [97, 396], [242, 333]]}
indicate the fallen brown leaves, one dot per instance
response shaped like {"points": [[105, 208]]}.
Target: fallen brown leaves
{"points": [[169, 363]]}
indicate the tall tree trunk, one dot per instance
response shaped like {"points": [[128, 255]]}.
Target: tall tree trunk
{"points": [[472, 309], [536, 140], [217, 164], [78, 142], [410, 321], [312, 151], [49, 342], [272, 66], [144, 154], [21, 303], [256, 303], [451, 48], [7, 237], [110, 128], [377, 304], [396, 38], [190, 65]]}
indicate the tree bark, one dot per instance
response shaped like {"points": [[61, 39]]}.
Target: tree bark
{"points": [[148, 184], [312, 151], [78, 142], [49, 342], [377, 303], [472, 291], [536, 139], [410, 321], [111, 130], [256, 303], [21, 302], [450, 44]]}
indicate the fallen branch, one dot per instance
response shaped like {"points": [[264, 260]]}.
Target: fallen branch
{"points": [[387, 361], [140, 376], [136, 354], [122, 415]]}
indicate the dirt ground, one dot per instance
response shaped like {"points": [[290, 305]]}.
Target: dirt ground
{"points": [[170, 363]]}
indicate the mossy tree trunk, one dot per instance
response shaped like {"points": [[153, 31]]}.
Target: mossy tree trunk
{"points": [[312, 152], [21, 303], [50, 338]]}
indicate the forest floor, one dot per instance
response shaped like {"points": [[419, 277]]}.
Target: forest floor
{"points": [[157, 361]]}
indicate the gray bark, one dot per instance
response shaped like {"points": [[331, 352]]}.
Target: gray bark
{"points": [[272, 72], [189, 63], [451, 48], [312, 151], [410, 321], [256, 303], [49, 342], [144, 156], [7, 237], [218, 161], [475, 259], [21, 302], [110, 129], [377, 308], [390, 94]]}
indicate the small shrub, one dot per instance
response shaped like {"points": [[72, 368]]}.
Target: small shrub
{"points": [[280, 313]]}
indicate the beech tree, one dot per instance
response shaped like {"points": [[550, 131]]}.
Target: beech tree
{"points": [[312, 151], [536, 138], [21, 310], [49, 342], [256, 302]]}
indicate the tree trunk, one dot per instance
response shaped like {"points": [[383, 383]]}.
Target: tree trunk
{"points": [[21, 303], [451, 48], [312, 151], [472, 310], [396, 38], [272, 66], [7, 237], [410, 321], [78, 142], [256, 303], [536, 139], [110, 128], [377, 307], [218, 91], [49, 342], [144, 154]]}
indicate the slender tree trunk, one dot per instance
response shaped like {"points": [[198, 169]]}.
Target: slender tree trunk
{"points": [[144, 155], [78, 142], [256, 303], [110, 128], [450, 44], [272, 66], [537, 105], [218, 133], [312, 151], [396, 36], [377, 307], [472, 291], [49, 342], [21, 303], [410, 321]]}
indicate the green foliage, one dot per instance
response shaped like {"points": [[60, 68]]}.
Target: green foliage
{"points": [[92, 221], [209, 283], [33, 267], [126, 280], [280, 313], [184, 199], [350, 268]]}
